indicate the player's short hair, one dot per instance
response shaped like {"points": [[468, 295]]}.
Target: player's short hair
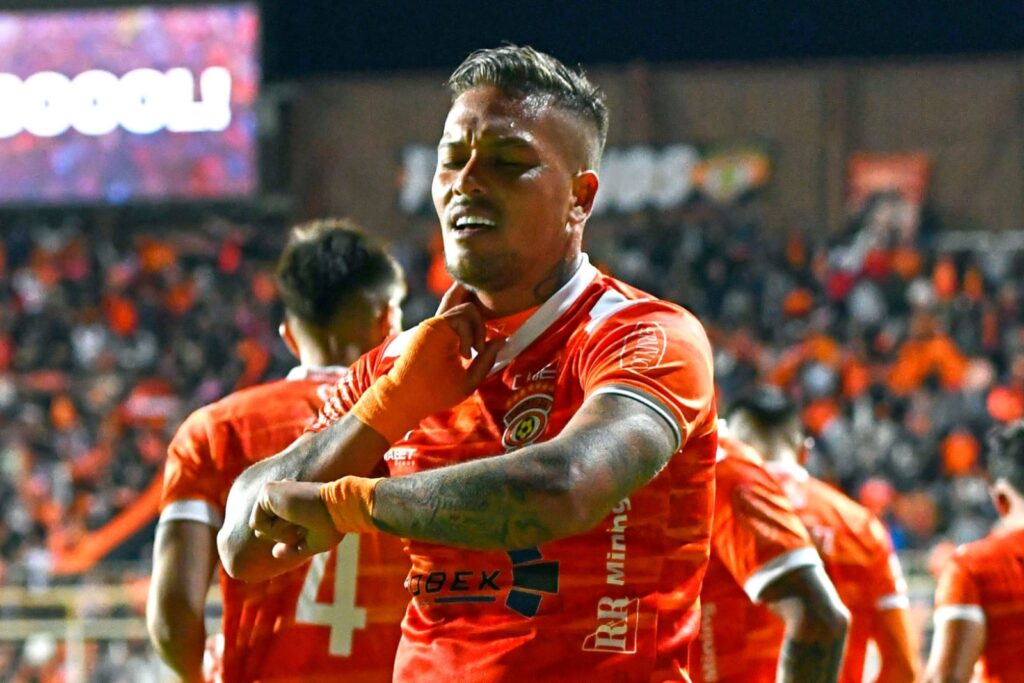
{"points": [[768, 407], [326, 264], [521, 70], [1006, 455]]}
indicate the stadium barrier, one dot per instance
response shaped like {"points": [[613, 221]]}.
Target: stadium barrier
{"points": [[100, 621]]}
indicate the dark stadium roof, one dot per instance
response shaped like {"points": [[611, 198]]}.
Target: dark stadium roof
{"points": [[314, 37], [319, 37]]}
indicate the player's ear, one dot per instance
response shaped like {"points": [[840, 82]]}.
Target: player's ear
{"points": [[285, 330], [584, 192], [387, 321], [1000, 499]]}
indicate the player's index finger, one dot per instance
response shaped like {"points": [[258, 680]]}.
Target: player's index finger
{"points": [[456, 294]]}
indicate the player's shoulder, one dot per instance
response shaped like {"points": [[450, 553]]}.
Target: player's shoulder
{"points": [[987, 551], [740, 473], [612, 305], [260, 401], [613, 299], [259, 398], [855, 516], [738, 460]]}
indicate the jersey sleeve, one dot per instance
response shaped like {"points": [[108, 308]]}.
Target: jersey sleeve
{"points": [[957, 595], [886, 572], [657, 355], [192, 483], [757, 533], [344, 394]]}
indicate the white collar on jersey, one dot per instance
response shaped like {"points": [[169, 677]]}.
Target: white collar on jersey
{"points": [[796, 472], [545, 316], [534, 326], [300, 372]]}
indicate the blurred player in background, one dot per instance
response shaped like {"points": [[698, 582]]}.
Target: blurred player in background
{"points": [[853, 543], [761, 554], [979, 602], [335, 617], [558, 499]]}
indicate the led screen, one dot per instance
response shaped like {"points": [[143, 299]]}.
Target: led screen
{"points": [[126, 104]]}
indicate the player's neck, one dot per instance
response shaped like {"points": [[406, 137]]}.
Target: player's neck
{"points": [[1013, 520], [313, 356], [519, 298]]}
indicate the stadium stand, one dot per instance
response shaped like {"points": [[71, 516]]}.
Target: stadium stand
{"points": [[111, 330]]}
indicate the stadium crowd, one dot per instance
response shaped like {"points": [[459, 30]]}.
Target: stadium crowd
{"points": [[109, 334], [112, 330], [903, 355]]}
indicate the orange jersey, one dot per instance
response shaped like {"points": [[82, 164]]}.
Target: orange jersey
{"points": [[984, 582], [617, 603], [336, 617], [858, 556], [756, 538]]}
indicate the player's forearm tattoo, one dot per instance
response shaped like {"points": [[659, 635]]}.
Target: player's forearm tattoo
{"points": [[810, 662], [531, 496]]}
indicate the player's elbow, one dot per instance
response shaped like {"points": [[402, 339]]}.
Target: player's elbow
{"points": [[830, 621], [243, 559], [807, 601], [232, 558], [233, 536]]}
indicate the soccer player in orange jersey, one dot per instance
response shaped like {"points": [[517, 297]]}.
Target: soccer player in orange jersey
{"points": [[979, 602], [761, 554], [557, 499], [332, 618], [853, 543]]}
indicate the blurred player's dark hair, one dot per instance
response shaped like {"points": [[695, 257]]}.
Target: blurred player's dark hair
{"points": [[329, 262], [767, 407], [525, 71], [768, 420], [1006, 455]]}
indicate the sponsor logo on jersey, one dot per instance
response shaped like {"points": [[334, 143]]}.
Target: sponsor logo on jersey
{"points": [[616, 617], [616, 555], [643, 348], [527, 418], [532, 578], [402, 457], [617, 626]]}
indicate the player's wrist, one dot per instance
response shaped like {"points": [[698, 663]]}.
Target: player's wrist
{"points": [[388, 409], [424, 380], [349, 502]]}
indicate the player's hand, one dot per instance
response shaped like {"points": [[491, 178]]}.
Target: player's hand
{"points": [[459, 310], [436, 369], [292, 514]]}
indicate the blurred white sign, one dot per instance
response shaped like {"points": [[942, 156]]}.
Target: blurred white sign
{"points": [[95, 102]]}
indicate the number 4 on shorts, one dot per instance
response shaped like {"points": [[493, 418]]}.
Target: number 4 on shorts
{"points": [[342, 615]]}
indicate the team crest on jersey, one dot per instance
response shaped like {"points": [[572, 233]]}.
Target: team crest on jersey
{"points": [[527, 419]]}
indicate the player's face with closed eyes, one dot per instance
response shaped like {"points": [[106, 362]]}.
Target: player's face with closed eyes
{"points": [[505, 189]]}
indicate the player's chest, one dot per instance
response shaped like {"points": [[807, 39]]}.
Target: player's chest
{"points": [[527, 402]]}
